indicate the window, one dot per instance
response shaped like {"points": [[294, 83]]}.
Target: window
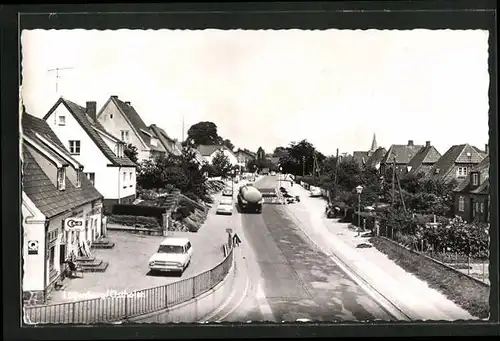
{"points": [[461, 172], [52, 254], [119, 150], [461, 204], [74, 147], [130, 175], [124, 135], [124, 177], [91, 177], [477, 206], [62, 120], [78, 178], [61, 179], [482, 207], [188, 245], [475, 179]]}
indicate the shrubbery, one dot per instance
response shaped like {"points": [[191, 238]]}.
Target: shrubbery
{"points": [[139, 210], [130, 220]]}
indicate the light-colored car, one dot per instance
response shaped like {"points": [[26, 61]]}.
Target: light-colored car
{"points": [[227, 192], [273, 173], [225, 206], [315, 191], [173, 254]]}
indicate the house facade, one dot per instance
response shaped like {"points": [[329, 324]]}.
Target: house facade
{"points": [[101, 153], [456, 163], [424, 160], [210, 151], [61, 209], [120, 119], [472, 195], [244, 156], [362, 157], [399, 156]]}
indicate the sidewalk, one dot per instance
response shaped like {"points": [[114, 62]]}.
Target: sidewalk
{"points": [[404, 290]]}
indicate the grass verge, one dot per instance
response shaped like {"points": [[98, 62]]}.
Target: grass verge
{"points": [[467, 293]]}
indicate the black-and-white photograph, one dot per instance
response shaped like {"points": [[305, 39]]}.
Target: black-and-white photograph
{"points": [[254, 175]]}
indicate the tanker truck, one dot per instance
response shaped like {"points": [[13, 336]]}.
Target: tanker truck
{"points": [[249, 199]]}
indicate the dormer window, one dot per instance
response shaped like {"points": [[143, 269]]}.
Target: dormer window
{"points": [[119, 150], [78, 178], [475, 179], [62, 120], [154, 142], [61, 179]]}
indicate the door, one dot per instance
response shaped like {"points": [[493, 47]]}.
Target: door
{"points": [[472, 210], [62, 254]]}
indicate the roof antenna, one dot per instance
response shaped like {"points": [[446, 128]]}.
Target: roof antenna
{"points": [[57, 69]]}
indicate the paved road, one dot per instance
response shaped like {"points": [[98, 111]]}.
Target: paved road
{"points": [[290, 279]]}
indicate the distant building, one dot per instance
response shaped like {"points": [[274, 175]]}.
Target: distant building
{"points": [[425, 158], [122, 120], [210, 151], [170, 145], [101, 153], [471, 196], [399, 155], [54, 193], [244, 156], [361, 157], [456, 163], [376, 157]]}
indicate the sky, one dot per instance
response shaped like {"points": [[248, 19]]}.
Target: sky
{"points": [[335, 88]]}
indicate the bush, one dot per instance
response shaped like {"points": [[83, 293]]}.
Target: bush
{"points": [[130, 220], [139, 210], [184, 211], [208, 199]]}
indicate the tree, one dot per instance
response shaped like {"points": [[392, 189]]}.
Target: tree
{"points": [[228, 144], [221, 164], [280, 152], [131, 152], [204, 133]]}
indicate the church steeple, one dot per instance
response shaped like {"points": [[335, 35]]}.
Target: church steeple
{"points": [[374, 144]]}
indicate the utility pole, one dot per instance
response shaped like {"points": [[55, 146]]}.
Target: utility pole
{"points": [[314, 167], [57, 69], [336, 172]]}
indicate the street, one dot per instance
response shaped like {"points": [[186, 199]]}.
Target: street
{"points": [[289, 278]]}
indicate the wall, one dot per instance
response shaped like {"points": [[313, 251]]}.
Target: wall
{"points": [[465, 214], [117, 123], [90, 156], [33, 229]]}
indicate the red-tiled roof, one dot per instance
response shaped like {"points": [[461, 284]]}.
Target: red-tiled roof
{"points": [[35, 182], [456, 154], [86, 122], [427, 155], [402, 153]]}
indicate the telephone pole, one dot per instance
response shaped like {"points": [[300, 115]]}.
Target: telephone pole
{"points": [[56, 70], [393, 181], [336, 172]]}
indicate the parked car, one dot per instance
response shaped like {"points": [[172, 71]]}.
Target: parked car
{"points": [[227, 192], [225, 206], [173, 255], [273, 173], [315, 191]]}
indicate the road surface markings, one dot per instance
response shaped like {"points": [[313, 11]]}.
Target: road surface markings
{"points": [[384, 302], [264, 307]]}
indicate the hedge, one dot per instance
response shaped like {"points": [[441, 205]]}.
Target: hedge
{"points": [[130, 220], [139, 210]]}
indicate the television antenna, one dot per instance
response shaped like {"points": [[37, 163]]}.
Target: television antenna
{"points": [[56, 70]]}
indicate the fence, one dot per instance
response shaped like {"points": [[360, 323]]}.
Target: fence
{"points": [[477, 268], [123, 306]]}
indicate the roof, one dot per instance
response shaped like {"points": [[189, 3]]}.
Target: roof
{"points": [[483, 168], [169, 144], [402, 153], [456, 154], [177, 241], [247, 152], [207, 150], [87, 123], [376, 157], [426, 155], [360, 157], [38, 186], [137, 123]]}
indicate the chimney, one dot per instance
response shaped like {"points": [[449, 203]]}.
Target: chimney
{"points": [[91, 110], [127, 103], [114, 96], [487, 149], [410, 143], [427, 143]]}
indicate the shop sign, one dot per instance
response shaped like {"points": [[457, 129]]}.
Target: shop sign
{"points": [[74, 224], [32, 247]]}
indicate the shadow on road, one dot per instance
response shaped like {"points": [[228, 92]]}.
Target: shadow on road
{"points": [[164, 273]]}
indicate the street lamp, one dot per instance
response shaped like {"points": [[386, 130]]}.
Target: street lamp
{"points": [[359, 189]]}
